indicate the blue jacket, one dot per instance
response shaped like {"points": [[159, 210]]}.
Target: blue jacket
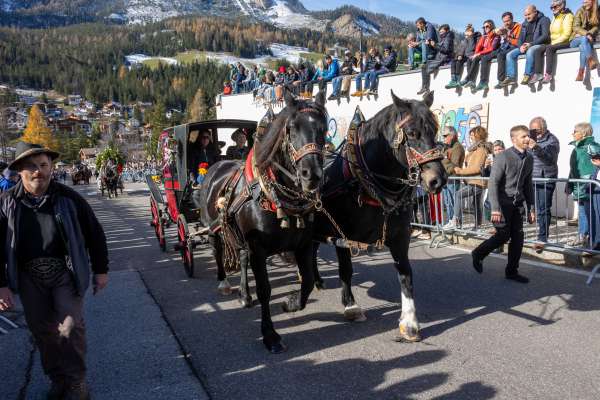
{"points": [[545, 157], [540, 27], [5, 184], [86, 242], [332, 71]]}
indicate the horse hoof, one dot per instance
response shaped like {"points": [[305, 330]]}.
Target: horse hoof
{"points": [[224, 288], [320, 285], [246, 302], [408, 335], [354, 313], [277, 348]]}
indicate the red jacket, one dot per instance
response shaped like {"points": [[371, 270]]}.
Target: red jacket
{"points": [[487, 44]]}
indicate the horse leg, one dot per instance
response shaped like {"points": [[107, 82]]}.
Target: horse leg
{"points": [[244, 294], [319, 283], [216, 243], [352, 311], [297, 300], [271, 339], [408, 329]]}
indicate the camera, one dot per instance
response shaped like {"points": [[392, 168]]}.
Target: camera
{"points": [[533, 134]]}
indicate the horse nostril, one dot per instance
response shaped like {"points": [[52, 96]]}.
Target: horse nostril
{"points": [[305, 173], [434, 183]]}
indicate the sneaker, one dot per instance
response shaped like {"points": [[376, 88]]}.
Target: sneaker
{"points": [[547, 79], [580, 75], [477, 263], [452, 85], [535, 78], [416, 233], [332, 97], [515, 276], [525, 80], [358, 93], [538, 247], [469, 84], [450, 225], [423, 90], [508, 82], [372, 93], [499, 85], [463, 83], [592, 63], [482, 86]]}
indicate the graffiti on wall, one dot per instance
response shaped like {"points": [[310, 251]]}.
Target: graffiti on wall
{"points": [[462, 118]]}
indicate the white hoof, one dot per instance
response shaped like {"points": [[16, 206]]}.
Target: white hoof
{"points": [[354, 313], [224, 288]]}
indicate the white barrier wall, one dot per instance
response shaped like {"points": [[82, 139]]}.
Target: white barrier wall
{"points": [[563, 104]]}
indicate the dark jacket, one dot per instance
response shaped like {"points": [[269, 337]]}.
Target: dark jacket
{"points": [[540, 27], [511, 181], [445, 48], [545, 157], [347, 66], [372, 63], [84, 234], [390, 62]]}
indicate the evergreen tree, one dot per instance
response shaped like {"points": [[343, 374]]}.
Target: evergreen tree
{"points": [[198, 108]]}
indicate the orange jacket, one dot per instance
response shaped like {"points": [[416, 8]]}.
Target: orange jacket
{"points": [[487, 44]]}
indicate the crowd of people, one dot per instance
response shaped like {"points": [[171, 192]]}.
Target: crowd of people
{"points": [[538, 38]]}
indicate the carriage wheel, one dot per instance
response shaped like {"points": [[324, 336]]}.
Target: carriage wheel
{"points": [[159, 226], [185, 245]]}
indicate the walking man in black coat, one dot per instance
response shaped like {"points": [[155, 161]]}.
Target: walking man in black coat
{"points": [[51, 243], [510, 192]]}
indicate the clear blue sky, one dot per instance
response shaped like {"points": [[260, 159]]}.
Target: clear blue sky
{"points": [[457, 13]]}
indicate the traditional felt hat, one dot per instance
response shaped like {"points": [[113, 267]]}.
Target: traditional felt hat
{"points": [[236, 133], [25, 150]]}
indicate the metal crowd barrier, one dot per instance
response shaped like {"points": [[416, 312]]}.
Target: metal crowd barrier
{"points": [[470, 211]]}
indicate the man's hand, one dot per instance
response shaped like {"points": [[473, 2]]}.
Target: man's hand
{"points": [[100, 282], [488, 162], [6, 299], [524, 47], [531, 217], [532, 143], [590, 38], [474, 57], [496, 217]]}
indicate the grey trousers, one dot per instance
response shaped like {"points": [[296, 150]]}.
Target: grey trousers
{"points": [[48, 303]]}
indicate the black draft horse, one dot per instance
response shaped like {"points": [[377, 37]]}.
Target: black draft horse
{"points": [[110, 178], [369, 189], [288, 157]]}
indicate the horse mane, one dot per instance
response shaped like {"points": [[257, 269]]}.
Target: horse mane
{"points": [[268, 144]]}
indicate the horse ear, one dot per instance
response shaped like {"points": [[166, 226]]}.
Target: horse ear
{"points": [[265, 121], [289, 99], [357, 119], [428, 99], [321, 99], [398, 102]]}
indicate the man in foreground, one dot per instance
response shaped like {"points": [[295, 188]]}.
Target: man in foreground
{"points": [[50, 237], [510, 186]]}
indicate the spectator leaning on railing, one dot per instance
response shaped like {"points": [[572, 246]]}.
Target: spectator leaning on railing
{"points": [[445, 49], [581, 168], [561, 29], [544, 147], [487, 44], [510, 188], [454, 157], [462, 55], [585, 31], [472, 191], [535, 31], [509, 38]]}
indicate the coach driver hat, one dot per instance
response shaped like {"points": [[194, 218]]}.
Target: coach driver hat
{"points": [[25, 150]]}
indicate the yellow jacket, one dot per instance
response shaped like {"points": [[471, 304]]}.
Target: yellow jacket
{"points": [[561, 28]]}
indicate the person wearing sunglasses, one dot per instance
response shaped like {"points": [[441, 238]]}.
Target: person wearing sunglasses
{"points": [[487, 44], [561, 29], [509, 37], [535, 31]]}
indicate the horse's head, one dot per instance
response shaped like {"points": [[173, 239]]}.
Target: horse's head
{"points": [[296, 138], [412, 137]]}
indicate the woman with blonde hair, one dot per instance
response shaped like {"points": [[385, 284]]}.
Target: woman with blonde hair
{"points": [[585, 31], [477, 153]]}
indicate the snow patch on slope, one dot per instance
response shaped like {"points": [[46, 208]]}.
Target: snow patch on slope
{"points": [[140, 58], [281, 15], [367, 26]]}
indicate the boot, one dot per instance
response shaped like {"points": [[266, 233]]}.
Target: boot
{"points": [[592, 63], [454, 82], [580, 75]]}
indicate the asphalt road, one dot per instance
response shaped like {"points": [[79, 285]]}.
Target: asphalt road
{"points": [[156, 334]]}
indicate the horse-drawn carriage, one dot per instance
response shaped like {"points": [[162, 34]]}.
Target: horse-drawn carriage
{"points": [[179, 177], [81, 173]]}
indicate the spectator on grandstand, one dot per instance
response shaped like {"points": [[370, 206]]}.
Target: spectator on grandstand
{"points": [[462, 56], [414, 58], [346, 71], [227, 89], [581, 168], [544, 147], [291, 75], [251, 81], [535, 32], [472, 191], [232, 73], [424, 41], [303, 81], [444, 51], [594, 154], [509, 38], [585, 32], [332, 70], [240, 77], [388, 64], [561, 29], [487, 44], [454, 157], [372, 62]]}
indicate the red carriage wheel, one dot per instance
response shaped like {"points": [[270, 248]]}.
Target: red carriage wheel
{"points": [[186, 246], [158, 224]]}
